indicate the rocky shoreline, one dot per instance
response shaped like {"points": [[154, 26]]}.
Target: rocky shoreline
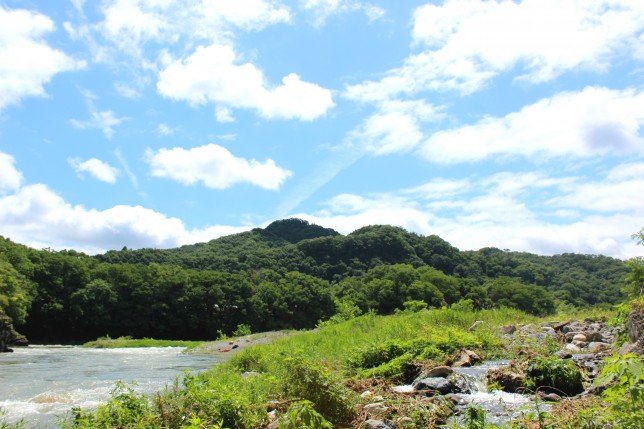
{"points": [[8, 335], [583, 347]]}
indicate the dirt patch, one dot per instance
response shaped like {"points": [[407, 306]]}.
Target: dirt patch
{"points": [[224, 349]]}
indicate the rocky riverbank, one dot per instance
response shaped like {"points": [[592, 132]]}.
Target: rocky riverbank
{"points": [[8, 335]]}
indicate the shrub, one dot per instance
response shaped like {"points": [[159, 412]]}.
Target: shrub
{"points": [[554, 374], [306, 380], [625, 394]]}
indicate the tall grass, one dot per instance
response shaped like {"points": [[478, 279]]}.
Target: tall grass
{"points": [[311, 366]]}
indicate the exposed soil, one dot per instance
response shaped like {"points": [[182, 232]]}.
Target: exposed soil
{"points": [[224, 349]]}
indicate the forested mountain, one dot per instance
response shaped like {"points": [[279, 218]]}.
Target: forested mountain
{"points": [[291, 274]]}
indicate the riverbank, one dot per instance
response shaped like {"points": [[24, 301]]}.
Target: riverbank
{"points": [[395, 372]]}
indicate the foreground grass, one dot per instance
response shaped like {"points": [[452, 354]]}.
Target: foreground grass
{"points": [[129, 342], [314, 376]]}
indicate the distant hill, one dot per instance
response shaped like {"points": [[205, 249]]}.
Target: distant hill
{"points": [[290, 274]]}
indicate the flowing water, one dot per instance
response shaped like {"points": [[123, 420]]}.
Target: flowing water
{"points": [[499, 406], [40, 383]]}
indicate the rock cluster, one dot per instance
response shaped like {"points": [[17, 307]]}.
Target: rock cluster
{"points": [[635, 332], [8, 335], [588, 336]]}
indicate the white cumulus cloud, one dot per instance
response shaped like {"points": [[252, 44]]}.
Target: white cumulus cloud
{"points": [[96, 168], [214, 74], [130, 24], [529, 211], [27, 62], [10, 177], [38, 217], [465, 43], [595, 121], [215, 167]]}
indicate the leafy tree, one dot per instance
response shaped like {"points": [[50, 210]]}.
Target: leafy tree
{"points": [[635, 278], [510, 292]]}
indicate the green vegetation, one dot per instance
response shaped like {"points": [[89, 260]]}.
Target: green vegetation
{"points": [[309, 373], [555, 375], [128, 342], [289, 275]]}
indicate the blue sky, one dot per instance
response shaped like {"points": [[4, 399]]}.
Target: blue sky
{"points": [[158, 123]]}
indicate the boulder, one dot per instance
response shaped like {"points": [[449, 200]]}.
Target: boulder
{"points": [[507, 378], [8, 335], [572, 348], [597, 347], [594, 336], [574, 326], [375, 409], [580, 337], [508, 329], [563, 354], [635, 327], [551, 397], [440, 371], [466, 358], [635, 324], [550, 332], [437, 384]]}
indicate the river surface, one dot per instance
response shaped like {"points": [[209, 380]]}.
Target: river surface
{"points": [[40, 383]]}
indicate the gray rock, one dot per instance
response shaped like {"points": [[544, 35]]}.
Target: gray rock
{"points": [[580, 337], [375, 408], [438, 384], [508, 329], [466, 358], [563, 354], [440, 371], [574, 326], [594, 336], [376, 424], [550, 332], [596, 347], [551, 397], [572, 348]]}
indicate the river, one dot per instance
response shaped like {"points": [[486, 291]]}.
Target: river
{"points": [[40, 383]]}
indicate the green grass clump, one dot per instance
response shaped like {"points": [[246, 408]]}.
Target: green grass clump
{"points": [[129, 342]]}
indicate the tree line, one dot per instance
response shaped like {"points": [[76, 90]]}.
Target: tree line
{"points": [[290, 275]]}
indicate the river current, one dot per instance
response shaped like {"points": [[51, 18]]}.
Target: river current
{"points": [[40, 384]]}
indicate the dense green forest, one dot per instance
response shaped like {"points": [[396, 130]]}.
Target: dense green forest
{"points": [[289, 275]]}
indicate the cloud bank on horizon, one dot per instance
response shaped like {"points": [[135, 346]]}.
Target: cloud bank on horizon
{"points": [[144, 123]]}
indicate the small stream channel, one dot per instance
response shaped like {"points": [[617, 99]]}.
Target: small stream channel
{"points": [[499, 406]]}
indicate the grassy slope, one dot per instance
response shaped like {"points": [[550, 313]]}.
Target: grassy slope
{"points": [[311, 365]]}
